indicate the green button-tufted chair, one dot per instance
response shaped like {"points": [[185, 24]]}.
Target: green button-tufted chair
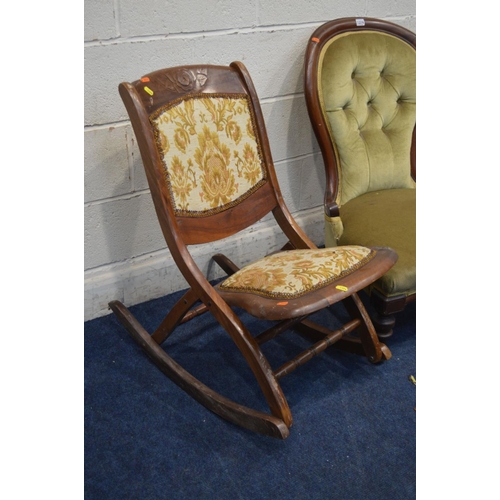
{"points": [[361, 97]]}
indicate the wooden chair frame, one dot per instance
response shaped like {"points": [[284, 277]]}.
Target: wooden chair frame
{"points": [[170, 84], [385, 307]]}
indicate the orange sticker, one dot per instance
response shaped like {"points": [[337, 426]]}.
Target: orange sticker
{"points": [[282, 303], [145, 79], [314, 39]]}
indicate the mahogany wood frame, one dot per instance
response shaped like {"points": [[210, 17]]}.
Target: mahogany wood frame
{"points": [[179, 232], [385, 307]]}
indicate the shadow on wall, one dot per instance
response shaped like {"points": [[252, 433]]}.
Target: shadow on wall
{"points": [[301, 172], [107, 185]]}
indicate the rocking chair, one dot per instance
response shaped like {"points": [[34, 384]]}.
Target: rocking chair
{"points": [[207, 159]]}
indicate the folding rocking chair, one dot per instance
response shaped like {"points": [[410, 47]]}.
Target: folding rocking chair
{"points": [[206, 154]]}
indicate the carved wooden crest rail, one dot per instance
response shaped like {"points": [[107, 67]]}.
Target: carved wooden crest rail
{"points": [[186, 79]]}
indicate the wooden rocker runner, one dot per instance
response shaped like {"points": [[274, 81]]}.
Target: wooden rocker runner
{"points": [[206, 154]]}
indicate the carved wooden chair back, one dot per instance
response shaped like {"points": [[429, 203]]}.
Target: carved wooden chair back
{"points": [[199, 132]]}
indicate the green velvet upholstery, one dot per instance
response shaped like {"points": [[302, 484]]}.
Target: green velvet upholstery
{"points": [[385, 218], [367, 89]]}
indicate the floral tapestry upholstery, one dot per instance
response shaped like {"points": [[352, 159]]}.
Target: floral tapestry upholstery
{"points": [[210, 152], [290, 274]]}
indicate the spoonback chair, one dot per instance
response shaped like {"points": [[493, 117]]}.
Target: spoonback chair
{"points": [[361, 98], [207, 159]]}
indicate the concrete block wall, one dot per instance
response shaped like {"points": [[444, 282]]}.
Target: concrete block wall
{"points": [[125, 253]]}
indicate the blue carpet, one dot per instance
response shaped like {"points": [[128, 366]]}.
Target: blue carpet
{"points": [[145, 439]]}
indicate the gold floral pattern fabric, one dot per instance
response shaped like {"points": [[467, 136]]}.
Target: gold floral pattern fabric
{"points": [[291, 274], [210, 152]]}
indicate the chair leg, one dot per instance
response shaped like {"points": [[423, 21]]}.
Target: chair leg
{"points": [[175, 316], [366, 344], [255, 358], [384, 324], [256, 421], [385, 308], [375, 350]]}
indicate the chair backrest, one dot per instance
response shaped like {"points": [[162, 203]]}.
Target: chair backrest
{"points": [[361, 95], [202, 139]]}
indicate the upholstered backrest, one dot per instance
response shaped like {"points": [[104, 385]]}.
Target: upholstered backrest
{"points": [[210, 152], [366, 83], [203, 143]]}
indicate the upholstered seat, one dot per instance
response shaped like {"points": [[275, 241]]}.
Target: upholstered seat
{"points": [[387, 218], [287, 275], [361, 97], [281, 285]]}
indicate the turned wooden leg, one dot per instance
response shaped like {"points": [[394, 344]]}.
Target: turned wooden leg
{"points": [[383, 323], [383, 318]]}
